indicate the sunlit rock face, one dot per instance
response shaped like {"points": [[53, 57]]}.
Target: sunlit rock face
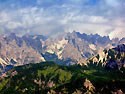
{"points": [[67, 49], [78, 47], [110, 58]]}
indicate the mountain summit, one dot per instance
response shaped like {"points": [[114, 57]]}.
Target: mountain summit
{"points": [[68, 49]]}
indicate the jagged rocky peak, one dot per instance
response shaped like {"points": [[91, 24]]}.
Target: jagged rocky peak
{"points": [[69, 48], [33, 42], [77, 46], [15, 50], [122, 41], [115, 42], [92, 38], [13, 37], [37, 37], [10, 37], [110, 58]]}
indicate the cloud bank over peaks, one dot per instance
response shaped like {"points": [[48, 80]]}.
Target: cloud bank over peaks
{"points": [[48, 17]]}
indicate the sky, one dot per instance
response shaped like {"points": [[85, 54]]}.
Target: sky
{"points": [[51, 17]]}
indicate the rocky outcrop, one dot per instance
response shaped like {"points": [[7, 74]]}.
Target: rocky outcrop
{"points": [[88, 85], [15, 51], [76, 46], [68, 49], [110, 58]]}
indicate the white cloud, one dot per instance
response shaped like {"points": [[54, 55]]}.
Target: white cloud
{"points": [[97, 19], [13, 25], [3, 17], [113, 3], [89, 28], [117, 32], [66, 17]]}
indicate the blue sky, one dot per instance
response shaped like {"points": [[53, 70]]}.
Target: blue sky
{"points": [[50, 17]]}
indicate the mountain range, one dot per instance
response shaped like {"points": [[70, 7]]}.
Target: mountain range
{"points": [[73, 63], [68, 49]]}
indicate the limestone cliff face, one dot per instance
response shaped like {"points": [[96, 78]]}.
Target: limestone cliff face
{"points": [[76, 46], [15, 51], [68, 49], [110, 58]]}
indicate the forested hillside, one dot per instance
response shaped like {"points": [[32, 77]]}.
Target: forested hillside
{"points": [[50, 78]]}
